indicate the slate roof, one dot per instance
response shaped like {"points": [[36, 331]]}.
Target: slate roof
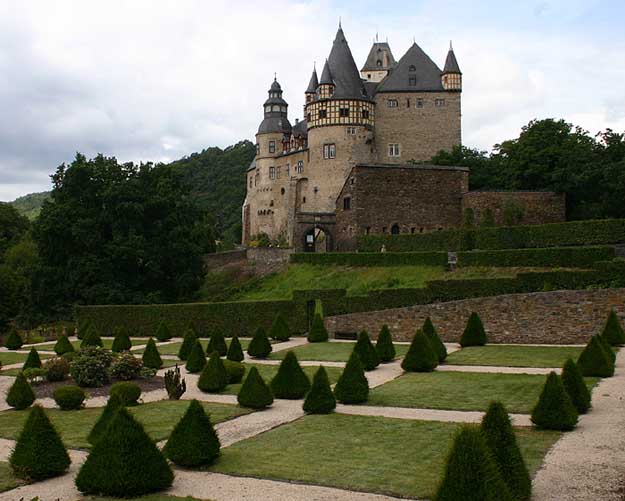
{"points": [[343, 70], [451, 64], [300, 129], [428, 74], [313, 84], [326, 75], [275, 124], [378, 49], [252, 166]]}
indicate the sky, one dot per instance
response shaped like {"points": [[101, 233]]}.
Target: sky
{"points": [[157, 79]]}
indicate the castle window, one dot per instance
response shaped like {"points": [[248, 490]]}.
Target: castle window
{"points": [[271, 203], [303, 200], [267, 109], [347, 203], [323, 113], [250, 181], [278, 172], [420, 230], [365, 114], [352, 180], [413, 229], [439, 102], [257, 149], [344, 112], [408, 102], [329, 151], [392, 103], [394, 150], [300, 166], [281, 191], [369, 76], [367, 230], [287, 170], [412, 67], [379, 63], [419, 102], [383, 229], [395, 229], [351, 131], [272, 146], [412, 80], [308, 117], [256, 179], [272, 172]]}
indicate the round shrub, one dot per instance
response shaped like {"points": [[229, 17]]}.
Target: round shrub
{"points": [[63, 346], [420, 356], [259, 346], [575, 386], [217, 343], [320, 399], [254, 392], [90, 367], [57, 368], [20, 395], [367, 353], [317, 332], [290, 381], [594, 360], [235, 371], [125, 366], [352, 387], [124, 462], [193, 441], [127, 392], [39, 452], [279, 329], [613, 332], [121, 342], [187, 344], [32, 360], [13, 340], [69, 398], [151, 357], [430, 331], [554, 410], [112, 405], [196, 360], [162, 332], [384, 345], [474, 333], [235, 352], [214, 377]]}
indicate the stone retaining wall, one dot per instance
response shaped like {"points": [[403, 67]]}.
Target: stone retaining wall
{"points": [[560, 317]]}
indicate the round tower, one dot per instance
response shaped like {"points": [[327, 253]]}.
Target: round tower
{"points": [[452, 76], [275, 129]]}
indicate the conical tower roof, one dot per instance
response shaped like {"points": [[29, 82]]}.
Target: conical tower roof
{"points": [[314, 83], [343, 70], [326, 75], [417, 63], [451, 64]]}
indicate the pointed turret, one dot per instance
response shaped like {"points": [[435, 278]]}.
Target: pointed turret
{"points": [[326, 84], [314, 83], [452, 76], [343, 70]]}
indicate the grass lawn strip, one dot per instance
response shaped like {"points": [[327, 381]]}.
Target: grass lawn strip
{"points": [[328, 352], [173, 348], [9, 358], [159, 418], [464, 391], [7, 479], [514, 356], [350, 459]]}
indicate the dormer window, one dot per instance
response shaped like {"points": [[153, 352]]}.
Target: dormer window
{"points": [[379, 63], [412, 68]]}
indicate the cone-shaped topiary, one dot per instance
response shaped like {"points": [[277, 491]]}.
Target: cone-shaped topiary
{"points": [[554, 410], [352, 387], [254, 392], [162, 332], [63, 345], [471, 473], [112, 405], [317, 332], [290, 381], [421, 356], [214, 377], [82, 329], [151, 357], [320, 399], [594, 361], [235, 352], [32, 360], [125, 462], [217, 343], [39, 452], [13, 340], [575, 386], [193, 441], [279, 329], [613, 331], [384, 346], [91, 338], [121, 342], [608, 349], [20, 395], [474, 333], [196, 360], [365, 350], [430, 331], [187, 344], [503, 445], [259, 346]]}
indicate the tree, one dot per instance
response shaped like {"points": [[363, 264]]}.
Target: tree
{"points": [[384, 345], [91, 338], [595, 361], [217, 343], [121, 341], [32, 360], [290, 381], [352, 386], [39, 452], [235, 352], [317, 332], [162, 332], [471, 473], [197, 359], [613, 332], [575, 386], [63, 345], [320, 399], [503, 445], [279, 329], [430, 331], [259, 346], [20, 395], [254, 392], [420, 356], [151, 357], [474, 333], [214, 377], [188, 342], [193, 441], [124, 462], [367, 353], [554, 410], [113, 404], [13, 340]]}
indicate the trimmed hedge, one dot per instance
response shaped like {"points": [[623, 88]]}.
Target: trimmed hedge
{"points": [[188, 342], [197, 359], [235, 352], [352, 386], [63, 345], [554, 410], [33, 361], [254, 392], [110, 409], [318, 332], [572, 257], [127, 392], [384, 345], [217, 343], [366, 351], [595, 361], [430, 331], [371, 258], [214, 377], [279, 329], [235, 370], [290, 382], [421, 355], [474, 333], [13, 340], [91, 338], [151, 357], [162, 332], [69, 398], [259, 346], [575, 386], [20, 395], [613, 332], [121, 342], [320, 399]]}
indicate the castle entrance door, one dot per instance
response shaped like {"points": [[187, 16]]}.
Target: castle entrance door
{"points": [[316, 240]]}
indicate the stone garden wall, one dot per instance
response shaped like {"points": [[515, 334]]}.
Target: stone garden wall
{"points": [[560, 317]]}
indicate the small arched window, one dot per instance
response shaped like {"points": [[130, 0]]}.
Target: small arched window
{"points": [[395, 229], [412, 67], [379, 63]]}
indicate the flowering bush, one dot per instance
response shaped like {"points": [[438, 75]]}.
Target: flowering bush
{"points": [[90, 367], [125, 366]]}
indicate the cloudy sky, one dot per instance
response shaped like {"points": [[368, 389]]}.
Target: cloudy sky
{"points": [[157, 80]]}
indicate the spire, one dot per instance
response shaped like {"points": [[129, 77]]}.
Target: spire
{"points": [[326, 75], [451, 64], [342, 70], [314, 82]]}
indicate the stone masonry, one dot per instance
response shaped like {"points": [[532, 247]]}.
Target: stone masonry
{"points": [[561, 317]]}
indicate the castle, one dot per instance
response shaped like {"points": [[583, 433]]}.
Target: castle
{"points": [[354, 165]]}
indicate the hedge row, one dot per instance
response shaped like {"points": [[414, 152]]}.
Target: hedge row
{"points": [[591, 232], [371, 258], [574, 257]]}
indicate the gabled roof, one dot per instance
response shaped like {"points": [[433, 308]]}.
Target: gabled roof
{"points": [[380, 51], [414, 62], [313, 84], [343, 70], [451, 64], [300, 129]]}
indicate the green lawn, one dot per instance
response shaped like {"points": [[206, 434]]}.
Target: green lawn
{"points": [[107, 342], [328, 352], [7, 479], [514, 356], [465, 391], [173, 348], [390, 456], [269, 371], [10, 357], [159, 418]]}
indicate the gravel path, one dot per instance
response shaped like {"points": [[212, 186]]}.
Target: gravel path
{"points": [[589, 462]]}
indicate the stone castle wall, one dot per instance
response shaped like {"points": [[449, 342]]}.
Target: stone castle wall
{"points": [[561, 317]]}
